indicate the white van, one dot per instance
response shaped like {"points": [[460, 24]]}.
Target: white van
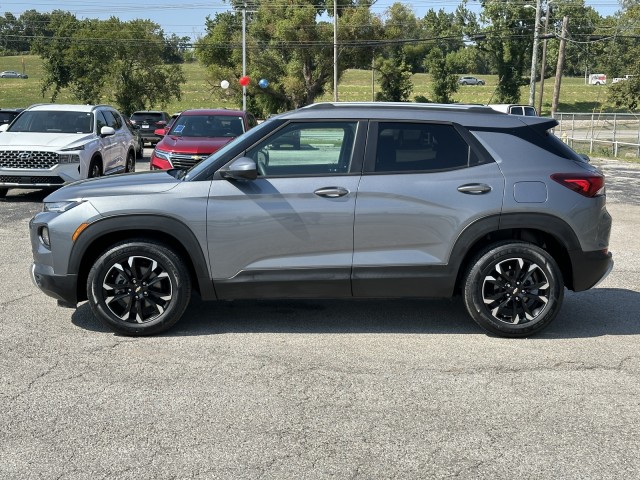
{"points": [[597, 79], [515, 109]]}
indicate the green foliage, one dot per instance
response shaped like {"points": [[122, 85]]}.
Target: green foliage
{"points": [[508, 42], [445, 83], [112, 61], [395, 81], [285, 45], [626, 94]]}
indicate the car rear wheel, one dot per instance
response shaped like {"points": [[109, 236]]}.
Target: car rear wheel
{"points": [[131, 163], [139, 287], [513, 289]]}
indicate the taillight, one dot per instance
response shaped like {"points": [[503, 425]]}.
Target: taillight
{"points": [[587, 184]]}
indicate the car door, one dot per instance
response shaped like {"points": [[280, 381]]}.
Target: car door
{"points": [[289, 233], [113, 145], [422, 186]]}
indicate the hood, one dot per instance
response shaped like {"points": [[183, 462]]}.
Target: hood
{"points": [[29, 140], [130, 184], [192, 145]]}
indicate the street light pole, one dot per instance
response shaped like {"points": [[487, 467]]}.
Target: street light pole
{"points": [[534, 55], [244, 54]]}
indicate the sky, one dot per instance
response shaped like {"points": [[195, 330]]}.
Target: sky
{"points": [[187, 18]]}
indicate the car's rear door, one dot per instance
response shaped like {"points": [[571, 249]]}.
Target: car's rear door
{"points": [[422, 186], [289, 233]]}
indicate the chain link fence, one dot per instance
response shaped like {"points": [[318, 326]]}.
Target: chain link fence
{"points": [[607, 134]]}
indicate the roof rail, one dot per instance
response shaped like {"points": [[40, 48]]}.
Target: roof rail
{"points": [[382, 105]]}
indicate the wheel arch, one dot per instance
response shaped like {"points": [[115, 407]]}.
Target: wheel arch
{"points": [[100, 235], [546, 231]]}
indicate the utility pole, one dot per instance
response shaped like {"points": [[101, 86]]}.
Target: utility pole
{"points": [[560, 66], [544, 57], [335, 50], [244, 54], [534, 55]]}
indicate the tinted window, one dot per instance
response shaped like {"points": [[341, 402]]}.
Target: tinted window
{"points": [[420, 147], [111, 120], [306, 149], [149, 117], [51, 121], [100, 121], [211, 126]]}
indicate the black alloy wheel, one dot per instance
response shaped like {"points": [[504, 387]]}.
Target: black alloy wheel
{"points": [[139, 287], [513, 289]]}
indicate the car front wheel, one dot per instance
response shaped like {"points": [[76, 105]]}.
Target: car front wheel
{"points": [[139, 287], [95, 168], [513, 289]]}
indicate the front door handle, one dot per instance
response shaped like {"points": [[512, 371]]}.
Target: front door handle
{"points": [[474, 188], [331, 192]]}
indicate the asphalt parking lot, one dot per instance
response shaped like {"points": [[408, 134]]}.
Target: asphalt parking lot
{"points": [[322, 389]]}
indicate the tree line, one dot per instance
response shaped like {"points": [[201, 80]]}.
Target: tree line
{"points": [[290, 43]]}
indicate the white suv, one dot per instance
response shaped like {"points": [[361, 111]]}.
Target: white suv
{"points": [[49, 145]]}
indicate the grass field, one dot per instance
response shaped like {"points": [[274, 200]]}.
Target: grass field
{"points": [[355, 85]]}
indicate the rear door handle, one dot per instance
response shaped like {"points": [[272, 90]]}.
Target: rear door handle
{"points": [[331, 192], [474, 188]]}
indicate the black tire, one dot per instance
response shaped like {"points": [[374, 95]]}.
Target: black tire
{"points": [[130, 164], [513, 289], [481, 82], [3, 192], [139, 287], [95, 168], [140, 149]]}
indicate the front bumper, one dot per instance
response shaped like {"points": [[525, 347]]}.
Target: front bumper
{"points": [[61, 287], [39, 178]]}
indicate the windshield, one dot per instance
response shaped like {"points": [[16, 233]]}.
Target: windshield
{"points": [[51, 121], [247, 138], [207, 126]]}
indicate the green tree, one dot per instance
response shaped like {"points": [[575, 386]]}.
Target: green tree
{"points": [[444, 81], [286, 45], [114, 61], [507, 37], [395, 81]]}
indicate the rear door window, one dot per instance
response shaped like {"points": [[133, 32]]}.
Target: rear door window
{"points": [[420, 147]]}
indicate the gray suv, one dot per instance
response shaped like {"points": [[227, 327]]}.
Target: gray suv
{"points": [[376, 200]]}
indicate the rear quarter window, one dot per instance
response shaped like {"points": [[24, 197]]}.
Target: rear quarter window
{"points": [[525, 150]]}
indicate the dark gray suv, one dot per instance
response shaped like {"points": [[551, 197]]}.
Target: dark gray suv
{"points": [[375, 200]]}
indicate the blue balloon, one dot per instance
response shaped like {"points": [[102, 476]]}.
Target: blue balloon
{"points": [[263, 83]]}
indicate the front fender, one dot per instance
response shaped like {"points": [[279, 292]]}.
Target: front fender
{"points": [[109, 230]]}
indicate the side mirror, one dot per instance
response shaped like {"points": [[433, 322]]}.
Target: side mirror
{"points": [[244, 168], [161, 132], [4, 127], [585, 157], [106, 131]]}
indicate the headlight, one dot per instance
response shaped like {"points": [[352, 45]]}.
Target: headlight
{"points": [[69, 158], [72, 149], [60, 207], [162, 154]]}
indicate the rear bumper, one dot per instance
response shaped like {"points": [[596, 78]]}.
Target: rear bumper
{"points": [[590, 268]]}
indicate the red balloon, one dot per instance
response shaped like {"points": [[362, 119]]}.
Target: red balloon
{"points": [[244, 81]]}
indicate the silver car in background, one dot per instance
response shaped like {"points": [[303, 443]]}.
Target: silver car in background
{"points": [[375, 200]]}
